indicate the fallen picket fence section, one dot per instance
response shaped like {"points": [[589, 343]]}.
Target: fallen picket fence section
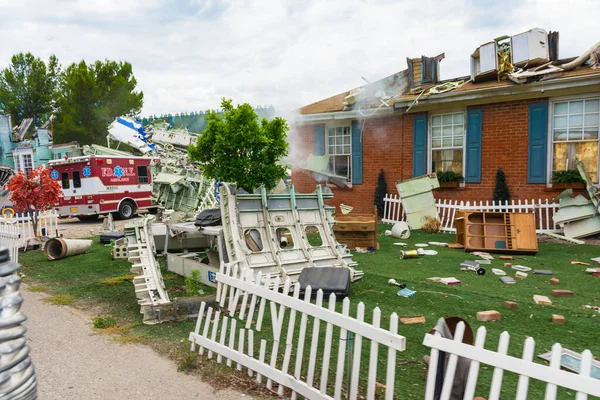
{"points": [[10, 238], [229, 332], [47, 225], [543, 210], [581, 383]]}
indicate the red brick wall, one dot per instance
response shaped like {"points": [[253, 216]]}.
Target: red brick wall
{"points": [[387, 144]]}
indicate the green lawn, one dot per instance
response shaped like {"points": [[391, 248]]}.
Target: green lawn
{"points": [[81, 276]]}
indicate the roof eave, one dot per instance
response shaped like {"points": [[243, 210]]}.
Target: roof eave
{"points": [[488, 93], [339, 115]]}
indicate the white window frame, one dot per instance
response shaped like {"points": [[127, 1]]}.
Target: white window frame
{"points": [[430, 139], [550, 133], [335, 126]]}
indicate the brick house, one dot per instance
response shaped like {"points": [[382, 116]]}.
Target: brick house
{"points": [[410, 124]]}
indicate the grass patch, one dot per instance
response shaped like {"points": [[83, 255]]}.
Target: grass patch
{"points": [[37, 288], [188, 362], [115, 280], [104, 322], [60, 299]]}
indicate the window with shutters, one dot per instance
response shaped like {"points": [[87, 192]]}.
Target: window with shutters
{"points": [[575, 131], [446, 142], [339, 151]]}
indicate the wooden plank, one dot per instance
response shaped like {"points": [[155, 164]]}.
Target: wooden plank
{"points": [[367, 331]]}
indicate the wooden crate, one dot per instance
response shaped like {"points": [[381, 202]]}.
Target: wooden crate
{"points": [[496, 231]]}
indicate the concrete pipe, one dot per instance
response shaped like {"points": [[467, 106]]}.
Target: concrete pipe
{"points": [[58, 248]]}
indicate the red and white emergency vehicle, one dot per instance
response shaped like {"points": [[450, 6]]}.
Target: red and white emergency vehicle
{"points": [[95, 185]]}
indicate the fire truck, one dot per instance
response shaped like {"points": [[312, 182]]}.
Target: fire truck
{"points": [[95, 185]]}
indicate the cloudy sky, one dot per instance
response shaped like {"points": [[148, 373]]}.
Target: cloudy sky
{"points": [[187, 54]]}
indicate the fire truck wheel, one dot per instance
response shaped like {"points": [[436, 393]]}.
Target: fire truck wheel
{"points": [[92, 217], [126, 210]]}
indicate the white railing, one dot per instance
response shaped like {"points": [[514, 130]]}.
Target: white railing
{"points": [[10, 238], [47, 225], [230, 329], [543, 210], [208, 200], [582, 383]]}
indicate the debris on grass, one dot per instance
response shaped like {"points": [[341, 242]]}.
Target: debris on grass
{"points": [[431, 225], [562, 293], [414, 319], [188, 362], [115, 280], [575, 262], [499, 272], [406, 292], [542, 272], [511, 305], [554, 281], [521, 275], [509, 280], [441, 244], [483, 254], [450, 281], [521, 268], [60, 299], [491, 315], [543, 300], [129, 339]]}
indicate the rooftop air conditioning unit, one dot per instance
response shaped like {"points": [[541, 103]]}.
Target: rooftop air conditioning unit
{"points": [[484, 61], [530, 48]]}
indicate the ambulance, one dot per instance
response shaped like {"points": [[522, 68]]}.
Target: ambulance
{"points": [[95, 185]]}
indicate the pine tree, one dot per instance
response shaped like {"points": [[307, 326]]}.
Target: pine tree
{"points": [[501, 192], [380, 192]]}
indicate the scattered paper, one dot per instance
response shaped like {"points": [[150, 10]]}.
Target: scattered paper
{"points": [[421, 245], [539, 299], [498, 271], [521, 275], [521, 268], [430, 252], [401, 244], [406, 292], [442, 244], [450, 281], [483, 254]]}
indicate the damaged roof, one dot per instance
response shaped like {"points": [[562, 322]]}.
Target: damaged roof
{"points": [[405, 88]]}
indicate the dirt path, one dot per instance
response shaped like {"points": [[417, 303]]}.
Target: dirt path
{"points": [[73, 363]]}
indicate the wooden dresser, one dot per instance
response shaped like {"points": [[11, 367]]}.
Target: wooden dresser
{"points": [[496, 231], [356, 230]]}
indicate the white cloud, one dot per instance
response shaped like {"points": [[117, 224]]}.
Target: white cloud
{"points": [[188, 54]]}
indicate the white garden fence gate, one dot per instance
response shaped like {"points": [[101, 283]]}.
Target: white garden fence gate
{"points": [[47, 225], [302, 367], [583, 384], [10, 238], [543, 210]]}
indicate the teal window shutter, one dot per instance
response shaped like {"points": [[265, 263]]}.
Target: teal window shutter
{"points": [[419, 145], [538, 143], [357, 156], [473, 146], [319, 140]]}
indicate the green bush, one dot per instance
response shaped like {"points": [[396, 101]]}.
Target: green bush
{"points": [[570, 176], [104, 322], [449, 176], [192, 284]]}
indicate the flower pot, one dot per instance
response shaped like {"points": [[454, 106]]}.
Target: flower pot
{"points": [[569, 185], [448, 184]]}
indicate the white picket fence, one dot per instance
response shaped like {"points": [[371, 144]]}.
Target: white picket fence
{"points": [[47, 222], [303, 367], [583, 384], [543, 210], [10, 238]]}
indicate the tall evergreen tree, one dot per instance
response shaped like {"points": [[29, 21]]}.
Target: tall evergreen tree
{"points": [[501, 192], [380, 192]]}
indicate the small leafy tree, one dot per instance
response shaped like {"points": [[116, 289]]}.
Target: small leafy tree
{"points": [[35, 192], [380, 192], [501, 192], [236, 147]]}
